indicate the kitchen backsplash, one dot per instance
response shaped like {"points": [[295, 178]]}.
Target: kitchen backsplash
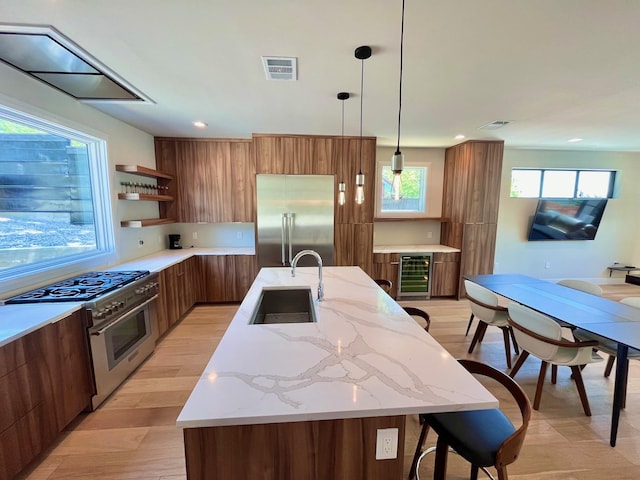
{"points": [[215, 234], [419, 232]]}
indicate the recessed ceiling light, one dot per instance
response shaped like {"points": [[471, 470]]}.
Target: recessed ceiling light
{"points": [[459, 137], [573, 140], [199, 124]]}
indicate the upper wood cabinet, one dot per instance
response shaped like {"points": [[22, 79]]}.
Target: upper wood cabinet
{"points": [[472, 182], [215, 178]]}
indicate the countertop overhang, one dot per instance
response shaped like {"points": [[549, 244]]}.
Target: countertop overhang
{"points": [[364, 357]]}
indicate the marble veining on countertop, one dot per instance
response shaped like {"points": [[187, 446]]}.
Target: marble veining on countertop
{"points": [[364, 357], [414, 249]]}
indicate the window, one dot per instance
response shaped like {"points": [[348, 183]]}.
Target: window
{"points": [[561, 183], [413, 194], [54, 196]]}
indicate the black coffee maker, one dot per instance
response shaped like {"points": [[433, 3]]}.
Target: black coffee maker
{"points": [[174, 242]]}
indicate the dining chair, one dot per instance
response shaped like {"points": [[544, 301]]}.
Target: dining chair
{"points": [[417, 312], [485, 438], [484, 307], [541, 336], [383, 283], [607, 346], [582, 285]]}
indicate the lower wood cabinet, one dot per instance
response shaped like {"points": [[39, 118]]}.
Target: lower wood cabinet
{"points": [[387, 265], [180, 288], [45, 382], [227, 278], [445, 269]]}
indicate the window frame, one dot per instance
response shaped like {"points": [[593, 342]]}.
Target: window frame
{"points": [[17, 277], [380, 164], [578, 171]]}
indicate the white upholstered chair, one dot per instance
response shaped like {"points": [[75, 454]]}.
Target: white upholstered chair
{"points": [[484, 306], [582, 285], [604, 344], [541, 336]]}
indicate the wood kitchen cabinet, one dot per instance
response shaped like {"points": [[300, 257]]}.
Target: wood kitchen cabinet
{"points": [[471, 195], [227, 278], [387, 266], [180, 288], [215, 178], [45, 382], [354, 246], [445, 269]]}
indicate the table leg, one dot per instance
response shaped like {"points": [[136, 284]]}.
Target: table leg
{"points": [[619, 390]]}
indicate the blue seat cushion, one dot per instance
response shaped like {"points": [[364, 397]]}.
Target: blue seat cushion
{"points": [[475, 435]]}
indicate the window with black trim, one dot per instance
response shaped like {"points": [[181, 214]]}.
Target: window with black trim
{"points": [[561, 183]]}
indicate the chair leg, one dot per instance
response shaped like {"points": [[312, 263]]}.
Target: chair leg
{"points": [[610, 361], [554, 374], [543, 372], [474, 472], [521, 358], [469, 325], [478, 335], [513, 340], [577, 376], [507, 347], [440, 467], [502, 473], [416, 456]]}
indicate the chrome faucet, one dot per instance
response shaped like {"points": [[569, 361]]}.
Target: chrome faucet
{"points": [[317, 256]]}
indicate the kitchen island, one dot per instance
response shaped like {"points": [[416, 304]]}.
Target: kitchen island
{"points": [[293, 401]]}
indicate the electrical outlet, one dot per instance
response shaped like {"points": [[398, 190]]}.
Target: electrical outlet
{"points": [[386, 443], [194, 235], [429, 234], [140, 243], [547, 264], [239, 235]]}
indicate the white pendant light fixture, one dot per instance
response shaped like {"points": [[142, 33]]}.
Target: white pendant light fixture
{"points": [[361, 53], [342, 96], [397, 161]]}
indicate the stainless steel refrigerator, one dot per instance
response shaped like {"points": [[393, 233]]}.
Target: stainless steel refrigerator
{"points": [[295, 212]]}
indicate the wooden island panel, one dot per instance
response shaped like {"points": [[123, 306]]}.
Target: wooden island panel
{"points": [[342, 449]]}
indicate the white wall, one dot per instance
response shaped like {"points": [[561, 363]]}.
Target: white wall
{"points": [[125, 144], [422, 232], [617, 236]]}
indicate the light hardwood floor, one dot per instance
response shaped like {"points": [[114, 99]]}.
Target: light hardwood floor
{"points": [[133, 434]]}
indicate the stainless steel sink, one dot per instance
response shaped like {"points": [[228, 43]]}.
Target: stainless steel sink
{"points": [[284, 305]]}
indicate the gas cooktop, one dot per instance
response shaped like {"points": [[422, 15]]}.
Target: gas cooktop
{"points": [[79, 289]]}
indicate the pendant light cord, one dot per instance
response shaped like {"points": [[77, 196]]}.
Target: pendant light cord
{"points": [[361, 98], [400, 94], [342, 139]]}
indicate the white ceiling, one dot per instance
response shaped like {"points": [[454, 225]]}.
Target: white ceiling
{"points": [[556, 69]]}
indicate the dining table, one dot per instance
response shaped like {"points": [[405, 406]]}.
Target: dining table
{"points": [[613, 320]]}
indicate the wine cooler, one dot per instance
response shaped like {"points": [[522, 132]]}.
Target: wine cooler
{"points": [[414, 275]]}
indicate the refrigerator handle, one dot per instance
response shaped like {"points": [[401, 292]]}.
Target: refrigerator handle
{"points": [[283, 238], [290, 231]]}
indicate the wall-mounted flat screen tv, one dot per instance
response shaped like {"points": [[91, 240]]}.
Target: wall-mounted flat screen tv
{"points": [[567, 219]]}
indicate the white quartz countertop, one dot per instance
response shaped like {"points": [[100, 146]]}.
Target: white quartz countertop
{"points": [[19, 320], [364, 357], [414, 249], [165, 258]]}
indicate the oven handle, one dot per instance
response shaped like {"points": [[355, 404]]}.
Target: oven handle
{"points": [[128, 314]]}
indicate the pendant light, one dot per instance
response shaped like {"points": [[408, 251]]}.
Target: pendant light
{"points": [[397, 161], [342, 96], [361, 53]]}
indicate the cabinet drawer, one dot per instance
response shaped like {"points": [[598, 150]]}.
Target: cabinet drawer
{"points": [[386, 258], [446, 256]]}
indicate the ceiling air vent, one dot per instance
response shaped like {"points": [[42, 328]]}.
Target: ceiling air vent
{"points": [[280, 68], [495, 125]]}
